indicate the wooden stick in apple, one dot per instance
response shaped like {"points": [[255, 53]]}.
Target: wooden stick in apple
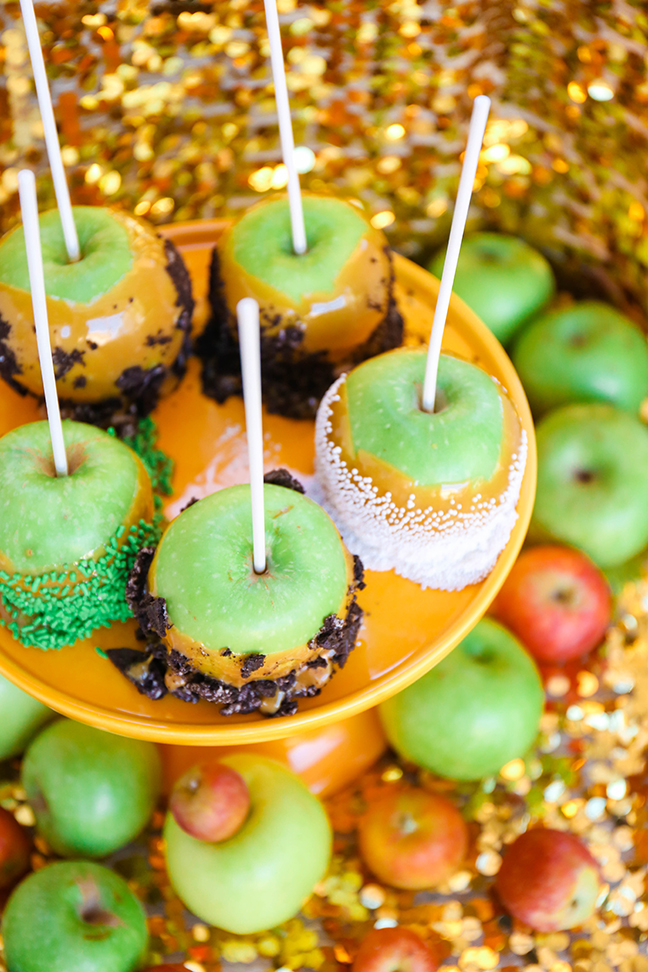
{"points": [[478, 120], [50, 131], [29, 210], [247, 311], [285, 127]]}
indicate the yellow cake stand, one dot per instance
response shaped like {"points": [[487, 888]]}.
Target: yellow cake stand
{"points": [[406, 630]]}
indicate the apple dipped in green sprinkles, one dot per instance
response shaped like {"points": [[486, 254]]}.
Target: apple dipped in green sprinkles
{"points": [[68, 543]]}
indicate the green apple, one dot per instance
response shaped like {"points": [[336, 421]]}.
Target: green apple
{"points": [[92, 792], [104, 244], [593, 482], [212, 592], [74, 916], [460, 442], [503, 279], [261, 242], [67, 543], [584, 353], [479, 708], [262, 875], [22, 717], [48, 520]]}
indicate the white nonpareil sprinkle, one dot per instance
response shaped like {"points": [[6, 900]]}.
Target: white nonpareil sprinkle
{"points": [[444, 550]]}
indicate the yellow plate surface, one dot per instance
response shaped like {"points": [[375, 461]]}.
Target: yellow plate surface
{"points": [[406, 630]]}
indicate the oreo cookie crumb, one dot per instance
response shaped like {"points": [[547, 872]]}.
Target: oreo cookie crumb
{"points": [[192, 502], [150, 612], [64, 361], [294, 381], [251, 663], [281, 477], [8, 364], [142, 668]]}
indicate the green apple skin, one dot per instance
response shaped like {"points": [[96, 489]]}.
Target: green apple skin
{"points": [[593, 482], [104, 244], [33, 501], [460, 442], [211, 590], [21, 717], [503, 279], [477, 709], [44, 931], [261, 242], [92, 792], [262, 875], [585, 353]]}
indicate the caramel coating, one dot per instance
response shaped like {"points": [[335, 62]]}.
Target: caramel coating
{"points": [[443, 498], [133, 325], [358, 304], [227, 668]]}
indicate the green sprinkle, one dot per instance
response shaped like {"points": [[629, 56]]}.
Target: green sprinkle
{"points": [[158, 465], [101, 652], [50, 612]]}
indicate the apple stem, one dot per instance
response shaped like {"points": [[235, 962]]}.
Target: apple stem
{"points": [[481, 107], [49, 129], [247, 311], [29, 210], [285, 127]]}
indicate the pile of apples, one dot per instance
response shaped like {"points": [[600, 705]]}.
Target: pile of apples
{"points": [[245, 840]]}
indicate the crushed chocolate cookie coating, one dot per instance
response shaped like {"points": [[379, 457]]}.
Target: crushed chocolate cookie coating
{"points": [[331, 647], [281, 477], [251, 664], [293, 381], [142, 668], [150, 612], [9, 366], [64, 361]]}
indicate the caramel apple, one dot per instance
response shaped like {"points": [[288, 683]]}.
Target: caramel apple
{"points": [[120, 317], [321, 312], [67, 543], [432, 496], [248, 641]]}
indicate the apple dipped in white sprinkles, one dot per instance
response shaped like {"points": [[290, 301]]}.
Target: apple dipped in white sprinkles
{"points": [[432, 496]]}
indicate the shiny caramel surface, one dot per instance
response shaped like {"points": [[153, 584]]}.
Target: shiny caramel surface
{"points": [[442, 498], [210, 661], [335, 321], [132, 325]]}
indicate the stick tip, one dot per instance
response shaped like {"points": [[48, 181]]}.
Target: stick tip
{"points": [[26, 179]]}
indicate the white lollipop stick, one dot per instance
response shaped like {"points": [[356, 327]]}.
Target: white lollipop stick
{"points": [[285, 127], [51, 133], [247, 311], [29, 210], [478, 120]]}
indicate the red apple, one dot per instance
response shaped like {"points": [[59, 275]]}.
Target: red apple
{"points": [[210, 802], [393, 950], [15, 848], [412, 839], [557, 603], [549, 880]]}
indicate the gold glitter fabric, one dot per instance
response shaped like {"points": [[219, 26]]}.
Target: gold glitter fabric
{"points": [[586, 774], [167, 108]]}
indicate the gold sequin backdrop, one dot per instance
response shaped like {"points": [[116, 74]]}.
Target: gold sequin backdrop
{"points": [[167, 108]]}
